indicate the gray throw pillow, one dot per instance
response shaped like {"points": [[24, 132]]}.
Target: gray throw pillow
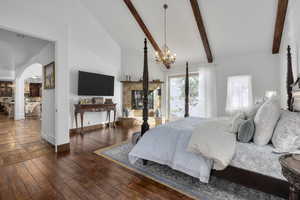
{"points": [[236, 121], [246, 131]]}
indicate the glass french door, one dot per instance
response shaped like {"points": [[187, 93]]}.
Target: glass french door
{"points": [[176, 99]]}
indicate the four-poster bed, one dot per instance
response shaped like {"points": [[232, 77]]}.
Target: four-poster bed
{"points": [[158, 144], [187, 87]]}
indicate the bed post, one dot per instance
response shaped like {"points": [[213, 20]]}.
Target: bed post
{"points": [[186, 113], [290, 79], [145, 125]]}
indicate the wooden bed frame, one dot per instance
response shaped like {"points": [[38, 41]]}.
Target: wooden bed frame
{"points": [[241, 176]]}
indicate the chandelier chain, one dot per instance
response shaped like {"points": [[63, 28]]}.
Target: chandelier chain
{"points": [[165, 56], [165, 24]]}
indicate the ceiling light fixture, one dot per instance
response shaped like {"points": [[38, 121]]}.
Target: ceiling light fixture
{"points": [[166, 57]]}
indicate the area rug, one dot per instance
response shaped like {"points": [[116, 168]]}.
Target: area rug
{"points": [[217, 189]]}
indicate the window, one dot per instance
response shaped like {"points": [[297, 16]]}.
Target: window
{"points": [[177, 96], [239, 93]]}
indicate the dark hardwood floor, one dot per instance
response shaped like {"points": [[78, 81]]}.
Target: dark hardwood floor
{"points": [[29, 168]]}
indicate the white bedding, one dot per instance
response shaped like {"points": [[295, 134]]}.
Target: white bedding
{"points": [[167, 144], [212, 139]]}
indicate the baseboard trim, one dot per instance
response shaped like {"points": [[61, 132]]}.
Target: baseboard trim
{"points": [[60, 148], [63, 148], [19, 116], [91, 128]]}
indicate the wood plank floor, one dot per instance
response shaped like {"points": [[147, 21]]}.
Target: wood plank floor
{"points": [[29, 168]]}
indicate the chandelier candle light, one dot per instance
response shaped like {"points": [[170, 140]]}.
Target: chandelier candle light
{"points": [[165, 57]]}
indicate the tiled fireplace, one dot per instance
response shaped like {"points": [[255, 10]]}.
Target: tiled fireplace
{"points": [[133, 97]]}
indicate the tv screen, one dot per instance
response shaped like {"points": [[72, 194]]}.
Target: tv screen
{"points": [[91, 84]]}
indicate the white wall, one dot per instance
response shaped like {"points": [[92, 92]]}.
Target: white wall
{"points": [[264, 69], [7, 74], [133, 63], [91, 49], [294, 21]]}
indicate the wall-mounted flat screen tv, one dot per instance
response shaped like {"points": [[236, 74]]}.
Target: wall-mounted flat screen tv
{"points": [[91, 84]]}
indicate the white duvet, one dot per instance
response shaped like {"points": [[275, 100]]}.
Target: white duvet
{"points": [[167, 145], [212, 140]]}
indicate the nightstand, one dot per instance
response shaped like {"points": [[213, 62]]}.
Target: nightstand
{"points": [[291, 171]]}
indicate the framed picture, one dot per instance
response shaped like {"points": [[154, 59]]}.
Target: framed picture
{"points": [[49, 76]]}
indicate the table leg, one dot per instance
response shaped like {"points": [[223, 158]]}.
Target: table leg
{"points": [[76, 121], [294, 193], [108, 118], [81, 118], [114, 123]]}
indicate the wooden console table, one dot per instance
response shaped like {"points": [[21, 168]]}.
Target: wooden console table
{"points": [[82, 108]]}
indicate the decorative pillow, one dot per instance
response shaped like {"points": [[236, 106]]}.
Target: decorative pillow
{"points": [[246, 131], [265, 121], [286, 136], [237, 120]]}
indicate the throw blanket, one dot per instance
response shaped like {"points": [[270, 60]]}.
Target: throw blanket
{"points": [[211, 140]]}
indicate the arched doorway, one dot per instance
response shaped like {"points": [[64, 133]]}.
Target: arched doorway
{"points": [[25, 101], [33, 70]]}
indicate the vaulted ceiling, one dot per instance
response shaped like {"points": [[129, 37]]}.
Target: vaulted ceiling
{"points": [[17, 49], [233, 27]]}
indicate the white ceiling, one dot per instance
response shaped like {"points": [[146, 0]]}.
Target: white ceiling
{"points": [[233, 26], [16, 49]]}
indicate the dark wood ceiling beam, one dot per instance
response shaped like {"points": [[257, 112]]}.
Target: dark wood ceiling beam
{"points": [[144, 28], [201, 28], [279, 25]]}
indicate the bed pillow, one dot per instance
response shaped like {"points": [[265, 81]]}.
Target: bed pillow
{"points": [[236, 121], [250, 114], [286, 136], [265, 121], [246, 131]]}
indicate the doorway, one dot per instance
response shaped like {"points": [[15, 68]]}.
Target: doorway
{"points": [[25, 128]]}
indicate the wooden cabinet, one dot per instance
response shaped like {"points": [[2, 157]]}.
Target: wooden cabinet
{"points": [[6, 88]]}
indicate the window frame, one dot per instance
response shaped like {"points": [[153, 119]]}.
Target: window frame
{"points": [[230, 79], [181, 75]]}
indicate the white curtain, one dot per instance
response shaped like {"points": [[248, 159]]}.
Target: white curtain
{"points": [[207, 92], [239, 93]]}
